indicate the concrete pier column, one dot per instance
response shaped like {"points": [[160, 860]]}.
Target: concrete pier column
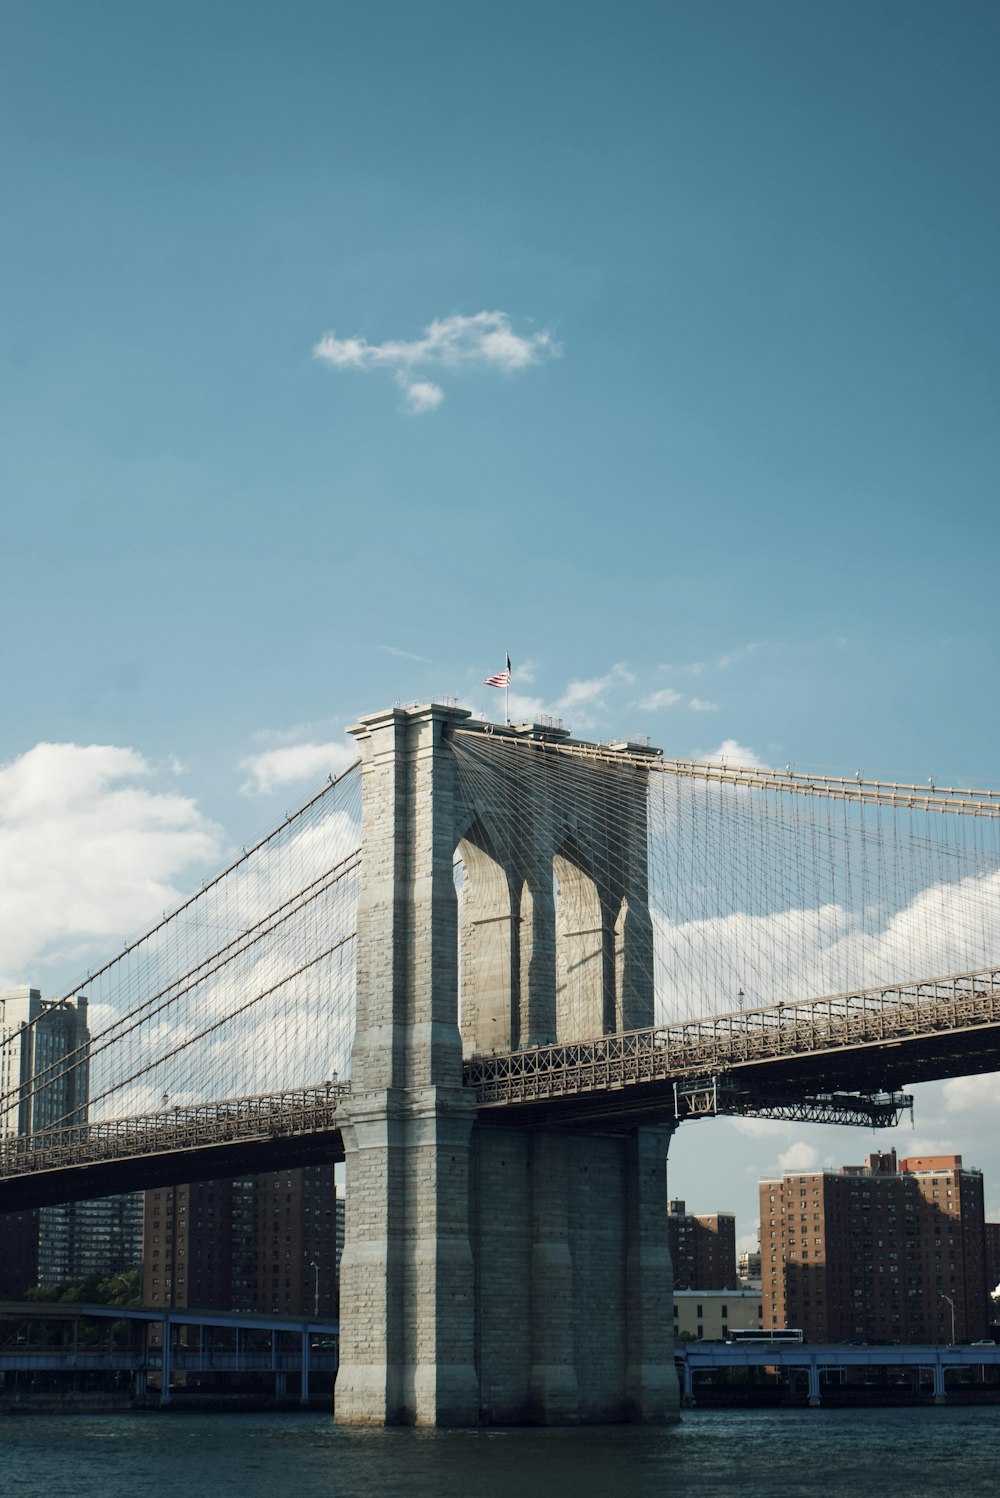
{"points": [[304, 1381], [814, 1389], [939, 1385], [167, 1371]]}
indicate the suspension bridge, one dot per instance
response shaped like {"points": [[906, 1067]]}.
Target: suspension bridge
{"points": [[493, 967]]}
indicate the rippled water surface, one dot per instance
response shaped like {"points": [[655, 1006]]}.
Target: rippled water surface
{"points": [[871, 1453]]}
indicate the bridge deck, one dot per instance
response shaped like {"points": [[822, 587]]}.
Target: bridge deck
{"points": [[809, 1060], [871, 1041]]}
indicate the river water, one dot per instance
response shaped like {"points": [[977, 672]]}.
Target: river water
{"points": [[871, 1453]]}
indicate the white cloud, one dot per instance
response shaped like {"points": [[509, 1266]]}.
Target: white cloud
{"points": [[485, 340], [699, 705], [421, 395], [730, 752], [979, 1095], [583, 697], [790, 955], [760, 1127], [799, 1156], [293, 762], [665, 697], [593, 688], [524, 709], [87, 851]]}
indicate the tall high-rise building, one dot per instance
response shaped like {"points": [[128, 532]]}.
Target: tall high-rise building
{"points": [[748, 1269], [256, 1243], [44, 1061], [883, 1252], [45, 1074], [702, 1249], [77, 1240]]}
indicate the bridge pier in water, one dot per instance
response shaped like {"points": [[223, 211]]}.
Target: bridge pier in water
{"points": [[496, 1271]]}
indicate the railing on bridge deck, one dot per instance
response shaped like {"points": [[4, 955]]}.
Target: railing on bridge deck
{"points": [[710, 1047], [272, 1115], [715, 1065]]}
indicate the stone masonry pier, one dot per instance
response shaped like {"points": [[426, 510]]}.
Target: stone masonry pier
{"points": [[496, 1273]]}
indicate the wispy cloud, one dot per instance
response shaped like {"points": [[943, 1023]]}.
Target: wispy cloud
{"points": [[405, 655], [729, 659], [485, 340], [665, 697], [584, 697], [592, 688], [668, 697], [293, 762]]}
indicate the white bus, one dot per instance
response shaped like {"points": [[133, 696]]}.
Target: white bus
{"points": [[765, 1334]]}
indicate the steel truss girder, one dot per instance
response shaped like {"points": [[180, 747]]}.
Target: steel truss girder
{"points": [[935, 1009], [702, 1097], [268, 1116]]}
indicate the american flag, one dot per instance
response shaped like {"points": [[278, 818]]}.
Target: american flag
{"points": [[502, 678]]}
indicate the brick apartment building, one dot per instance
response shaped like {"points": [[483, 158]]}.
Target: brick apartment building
{"points": [[876, 1253], [18, 1254], [702, 1249], [256, 1243], [992, 1256]]}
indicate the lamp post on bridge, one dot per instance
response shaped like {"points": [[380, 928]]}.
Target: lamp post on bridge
{"points": [[315, 1269]]}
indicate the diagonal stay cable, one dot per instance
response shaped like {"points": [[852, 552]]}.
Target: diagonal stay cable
{"points": [[244, 857], [143, 1013], [224, 1019]]}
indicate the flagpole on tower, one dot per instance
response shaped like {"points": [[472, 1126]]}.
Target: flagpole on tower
{"points": [[502, 679]]}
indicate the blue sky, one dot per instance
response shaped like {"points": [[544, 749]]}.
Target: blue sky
{"points": [[745, 469]]}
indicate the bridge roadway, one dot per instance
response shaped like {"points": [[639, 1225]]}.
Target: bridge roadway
{"points": [[814, 1358], [835, 1059], [248, 1343]]}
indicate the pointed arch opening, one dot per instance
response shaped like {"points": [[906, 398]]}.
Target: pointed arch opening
{"points": [[487, 947], [584, 960]]}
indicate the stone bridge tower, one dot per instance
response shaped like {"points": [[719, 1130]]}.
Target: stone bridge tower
{"points": [[495, 1271]]}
